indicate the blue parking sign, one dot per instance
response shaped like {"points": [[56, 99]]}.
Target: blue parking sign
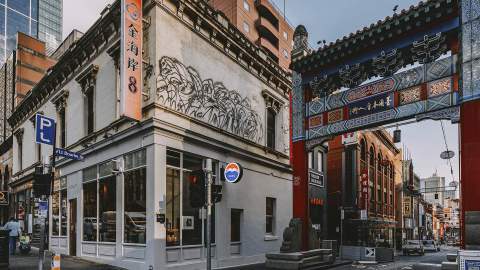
{"points": [[44, 129]]}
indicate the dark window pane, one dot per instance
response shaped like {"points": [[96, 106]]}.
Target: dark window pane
{"points": [[192, 163], [22, 6], [191, 219], [270, 129], [235, 223], [173, 158], [135, 206], [62, 128], [90, 223], [172, 221], [63, 212], [107, 209], [90, 112]]}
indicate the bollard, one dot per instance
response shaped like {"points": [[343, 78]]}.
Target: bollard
{"points": [[55, 262]]}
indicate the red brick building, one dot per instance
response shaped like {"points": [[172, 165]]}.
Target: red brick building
{"points": [[369, 207], [262, 23]]}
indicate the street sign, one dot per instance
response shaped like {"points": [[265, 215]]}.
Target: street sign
{"points": [[3, 197], [316, 178], [233, 172], [369, 252], [44, 129], [68, 154]]}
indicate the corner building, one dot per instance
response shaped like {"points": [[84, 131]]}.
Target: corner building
{"points": [[208, 92]]}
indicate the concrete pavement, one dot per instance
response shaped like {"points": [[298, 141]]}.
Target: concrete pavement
{"points": [[30, 262]]}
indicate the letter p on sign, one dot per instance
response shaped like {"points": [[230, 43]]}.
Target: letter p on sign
{"points": [[44, 129]]}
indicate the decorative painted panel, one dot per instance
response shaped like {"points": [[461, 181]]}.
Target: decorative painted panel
{"points": [[467, 42], [476, 78], [467, 80], [370, 89], [298, 108], [439, 69], [439, 87], [410, 95], [334, 101], [475, 39], [335, 116], [466, 10], [439, 102], [409, 78], [316, 106], [315, 121], [182, 89]]}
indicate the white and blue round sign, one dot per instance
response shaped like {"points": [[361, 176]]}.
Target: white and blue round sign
{"points": [[233, 172]]}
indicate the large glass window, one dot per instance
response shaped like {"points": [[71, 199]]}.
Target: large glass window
{"points": [[21, 6], [63, 212], [16, 23], [180, 216], [107, 198], [90, 224], [135, 181]]}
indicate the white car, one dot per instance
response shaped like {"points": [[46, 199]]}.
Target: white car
{"points": [[413, 246]]}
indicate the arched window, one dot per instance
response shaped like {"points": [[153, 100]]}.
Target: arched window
{"points": [[363, 150], [372, 156], [379, 164]]}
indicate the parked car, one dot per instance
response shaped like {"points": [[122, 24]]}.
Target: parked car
{"points": [[413, 246], [431, 245]]}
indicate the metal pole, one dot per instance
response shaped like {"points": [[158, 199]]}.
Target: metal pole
{"points": [[208, 184], [342, 216], [46, 230]]}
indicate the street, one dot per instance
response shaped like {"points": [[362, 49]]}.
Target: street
{"points": [[405, 262]]}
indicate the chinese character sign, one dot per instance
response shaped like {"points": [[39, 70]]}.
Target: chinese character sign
{"points": [[371, 105], [131, 57]]}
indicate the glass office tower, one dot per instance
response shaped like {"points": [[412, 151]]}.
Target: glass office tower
{"points": [[41, 19]]}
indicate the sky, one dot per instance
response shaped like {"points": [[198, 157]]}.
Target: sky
{"points": [[330, 20]]}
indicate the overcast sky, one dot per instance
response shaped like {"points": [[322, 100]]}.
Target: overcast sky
{"points": [[329, 20]]}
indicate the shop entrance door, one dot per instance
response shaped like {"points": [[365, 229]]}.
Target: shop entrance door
{"points": [[73, 228]]}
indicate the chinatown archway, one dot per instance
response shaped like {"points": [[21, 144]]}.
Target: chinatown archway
{"points": [[441, 40]]}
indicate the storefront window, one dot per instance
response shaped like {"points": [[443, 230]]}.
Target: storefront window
{"points": [[107, 200], [182, 217], [90, 224], [173, 207], [63, 212], [135, 198], [56, 213]]}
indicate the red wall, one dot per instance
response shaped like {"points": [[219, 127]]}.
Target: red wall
{"points": [[469, 159]]}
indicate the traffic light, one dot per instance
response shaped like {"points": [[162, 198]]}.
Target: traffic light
{"points": [[216, 193], [196, 181]]}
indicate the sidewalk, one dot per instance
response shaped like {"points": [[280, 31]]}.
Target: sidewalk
{"points": [[30, 262]]}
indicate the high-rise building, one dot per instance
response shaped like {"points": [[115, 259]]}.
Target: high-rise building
{"points": [[433, 189], [37, 18], [50, 23], [263, 23]]}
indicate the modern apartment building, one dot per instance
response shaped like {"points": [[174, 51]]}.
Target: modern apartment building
{"points": [[263, 23], [37, 18]]}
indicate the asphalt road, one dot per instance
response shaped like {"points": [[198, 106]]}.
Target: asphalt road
{"points": [[405, 262]]}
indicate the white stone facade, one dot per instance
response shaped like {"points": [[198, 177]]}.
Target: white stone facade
{"points": [[202, 99]]}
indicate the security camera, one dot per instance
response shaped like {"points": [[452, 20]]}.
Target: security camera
{"points": [[117, 166]]}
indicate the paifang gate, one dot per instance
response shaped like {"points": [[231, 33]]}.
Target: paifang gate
{"points": [[440, 41]]}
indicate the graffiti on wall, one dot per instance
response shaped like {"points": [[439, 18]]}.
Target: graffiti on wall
{"points": [[182, 89]]}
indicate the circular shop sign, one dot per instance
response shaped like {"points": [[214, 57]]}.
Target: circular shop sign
{"points": [[233, 172]]}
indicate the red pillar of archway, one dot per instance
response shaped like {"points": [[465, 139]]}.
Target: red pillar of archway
{"points": [[300, 188], [469, 160]]}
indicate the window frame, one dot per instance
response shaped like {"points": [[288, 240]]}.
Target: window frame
{"points": [[246, 6], [246, 27], [271, 130], [271, 216], [203, 213]]}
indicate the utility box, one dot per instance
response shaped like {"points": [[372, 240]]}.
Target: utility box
{"points": [[4, 252], [469, 260]]}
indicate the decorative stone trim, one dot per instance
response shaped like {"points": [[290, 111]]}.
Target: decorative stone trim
{"points": [[19, 134], [271, 101], [60, 100], [32, 118], [88, 79]]}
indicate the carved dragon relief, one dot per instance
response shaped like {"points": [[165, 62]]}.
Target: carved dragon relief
{"points": [[182, 89]]}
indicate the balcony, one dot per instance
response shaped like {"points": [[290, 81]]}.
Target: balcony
{"points": [[268, 11], [269, 47], [265, 26]]}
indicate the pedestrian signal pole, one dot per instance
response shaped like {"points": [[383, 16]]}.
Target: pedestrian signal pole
{"points": [[208, 188]]}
